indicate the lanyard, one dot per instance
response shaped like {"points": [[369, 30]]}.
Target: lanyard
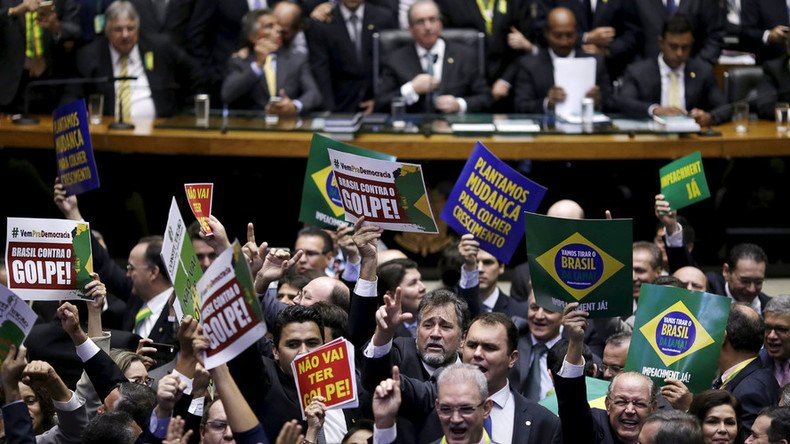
{"points": [[487, 11], [736, 371]]}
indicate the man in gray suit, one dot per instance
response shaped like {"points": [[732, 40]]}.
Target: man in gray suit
{"points": [[271, 77]]}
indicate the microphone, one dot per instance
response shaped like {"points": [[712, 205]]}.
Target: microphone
{"points": [[24, 119]]}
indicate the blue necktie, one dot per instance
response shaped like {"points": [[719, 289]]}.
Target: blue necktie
{"points": [[671, 7], [487, 426]]}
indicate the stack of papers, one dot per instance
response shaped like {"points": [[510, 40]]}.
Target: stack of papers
{"points": [[473, 127], [343, 123], [677, 124], [517, 126], [577, 119]]}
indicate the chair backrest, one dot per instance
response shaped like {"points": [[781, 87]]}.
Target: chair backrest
{"points": [[385, 42], [741, 83]]}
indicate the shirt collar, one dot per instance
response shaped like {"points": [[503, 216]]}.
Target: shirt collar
{"points": [[347, 13], [438, 49], [157, 303], [554, 55], [502, 396], [432, 370], [115, 56], [550, 343], [490, 301], [664, 69]]}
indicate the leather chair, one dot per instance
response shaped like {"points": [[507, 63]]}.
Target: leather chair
{"points": [[741, 83]]}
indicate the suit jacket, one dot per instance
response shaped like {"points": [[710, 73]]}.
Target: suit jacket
{"points": [[707, 20], [171, 77], [536, 76], [344, 79], [756, 388], [515, 310], [716, 286], [175, 21], [532, 424], [642, 88], [461, 77], [19, 427], [12, 49], [774, 86], [244, 89], [580, 423], [758, 16], [521, 283]]}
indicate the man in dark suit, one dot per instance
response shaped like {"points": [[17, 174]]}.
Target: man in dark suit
{"points": [[168, 17], [433, 75], [341, 54], [776, 354], [248, 83], [672, 82], [740, 370], [706, 17], [26, 58], [775, 84], [765, 25], [165, 74], [535, 86], [742, 276], [631, 397]]}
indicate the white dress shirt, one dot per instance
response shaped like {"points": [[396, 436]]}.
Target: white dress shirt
{"points": [[142, 105], [503, 415], [664, 70], [156, 304]]}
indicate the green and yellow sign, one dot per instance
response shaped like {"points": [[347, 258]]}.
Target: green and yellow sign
{"points": [[678, 334], [585, 261], [683, 181]]}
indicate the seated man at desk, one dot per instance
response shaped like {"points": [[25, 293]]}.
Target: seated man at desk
{"points": [[673, 83], [272, 77], [535, 86], [433, 75]]}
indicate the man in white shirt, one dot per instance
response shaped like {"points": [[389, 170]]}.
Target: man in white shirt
{"points": [[151, 285]]}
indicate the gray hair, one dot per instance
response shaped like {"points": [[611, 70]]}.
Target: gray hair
{"points": [[120, 9], [459, 373], [675, 427], [779, 304], [439, 297], [651, 385], [422, 2]]}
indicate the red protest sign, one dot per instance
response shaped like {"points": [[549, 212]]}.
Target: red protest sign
{"points": [[199, 198], [44, 266], [327, 372]]}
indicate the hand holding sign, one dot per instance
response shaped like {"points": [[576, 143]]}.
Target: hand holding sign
{"points": [[66, 203], [574, 322], [468, 249], [316, 414], [366, 238], [346, 243], [677, 394], [217, 238], [665, 214], [387, 400]]}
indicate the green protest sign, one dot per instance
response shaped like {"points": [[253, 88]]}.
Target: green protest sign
{"points": [[678, 334], [321, 202], [585, 261], [181, 264], [683, 181]]}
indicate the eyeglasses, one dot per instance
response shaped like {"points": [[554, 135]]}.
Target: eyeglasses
{"points": [[130, 268], [779, 330], [447, 411], [613, 368], [638, 404], [746, 281], [217, 426], [143, 381]]}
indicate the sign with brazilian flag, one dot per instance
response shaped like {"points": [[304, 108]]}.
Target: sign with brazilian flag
{"points": [[389, 194], [230, 313], [585, 261], [48, 259], [181, 264], [16, 321], [678, 334], [321, 203], [683, 181]]}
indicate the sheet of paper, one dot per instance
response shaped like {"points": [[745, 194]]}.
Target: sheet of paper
{"points": [[576, 76]]}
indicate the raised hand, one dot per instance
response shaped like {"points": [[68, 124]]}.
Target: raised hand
{"points": [[468, 249], [388, 317], [387, 400]]}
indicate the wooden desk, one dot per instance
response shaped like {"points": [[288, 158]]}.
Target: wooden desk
{"points": [[762, 140]]}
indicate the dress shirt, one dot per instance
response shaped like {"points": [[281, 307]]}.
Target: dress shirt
{"points": [[156, 304], [334, 426], [142, 105], [756, 304], [259, 72], [546, 383], [502, 415], [347, 13], [664, 70]]}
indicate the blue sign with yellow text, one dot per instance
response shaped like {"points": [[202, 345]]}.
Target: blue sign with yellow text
{"points": [[73, 149]]}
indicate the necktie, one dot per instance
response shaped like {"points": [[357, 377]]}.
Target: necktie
{"points": [[671, 7], [140, 317], [35, 62], [487, 425], [430, 59], [125, 93], [533, 380], [674, 90], [271, 76], [354, 21], [782, 372], [486, 308], [588, 14]]}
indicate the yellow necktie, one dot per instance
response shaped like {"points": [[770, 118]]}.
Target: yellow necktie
{"points": [[674, 90], [125, 91], [271, 76], [143, 314]]}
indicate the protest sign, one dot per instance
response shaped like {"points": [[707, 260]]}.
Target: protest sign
{"points": [[596, 393], [489, 200], [181, 264], [389, 194], [683, 181], [73, 149], [48, 259], [16, 321], [229, 311], [577, 260], [321, 204], [678, 334], [199, 196], [327, 371]]}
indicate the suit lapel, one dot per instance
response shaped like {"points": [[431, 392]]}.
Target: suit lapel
{"points": [[522, 420]]}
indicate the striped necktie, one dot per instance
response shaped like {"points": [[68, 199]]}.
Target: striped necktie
{"points": [[141, 316], [125, 92], [271, 76]]}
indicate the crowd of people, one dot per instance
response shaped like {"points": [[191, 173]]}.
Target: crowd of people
{"points": [[148, 58], [462, 363]]}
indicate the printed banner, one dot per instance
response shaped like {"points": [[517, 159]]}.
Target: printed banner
{"points": [[229, 311], [489, 200], [181, 264], [199, 196], [327, 371], [48, 259], [683, 181], [678, 334], [321, 203], [16, 321], [585, 261], [596, 394], [73, 149], [389, 194]]}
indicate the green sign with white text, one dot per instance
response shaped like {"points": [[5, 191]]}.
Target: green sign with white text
{"points": [[683, 181]]}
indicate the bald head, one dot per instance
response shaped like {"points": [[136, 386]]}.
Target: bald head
{"points": [[388, 255], [560, 31], [566, 208], [692, 277], [289, 17]]}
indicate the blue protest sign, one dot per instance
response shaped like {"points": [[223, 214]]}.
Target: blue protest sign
{"points": [[73, 149], [489, 200]]}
